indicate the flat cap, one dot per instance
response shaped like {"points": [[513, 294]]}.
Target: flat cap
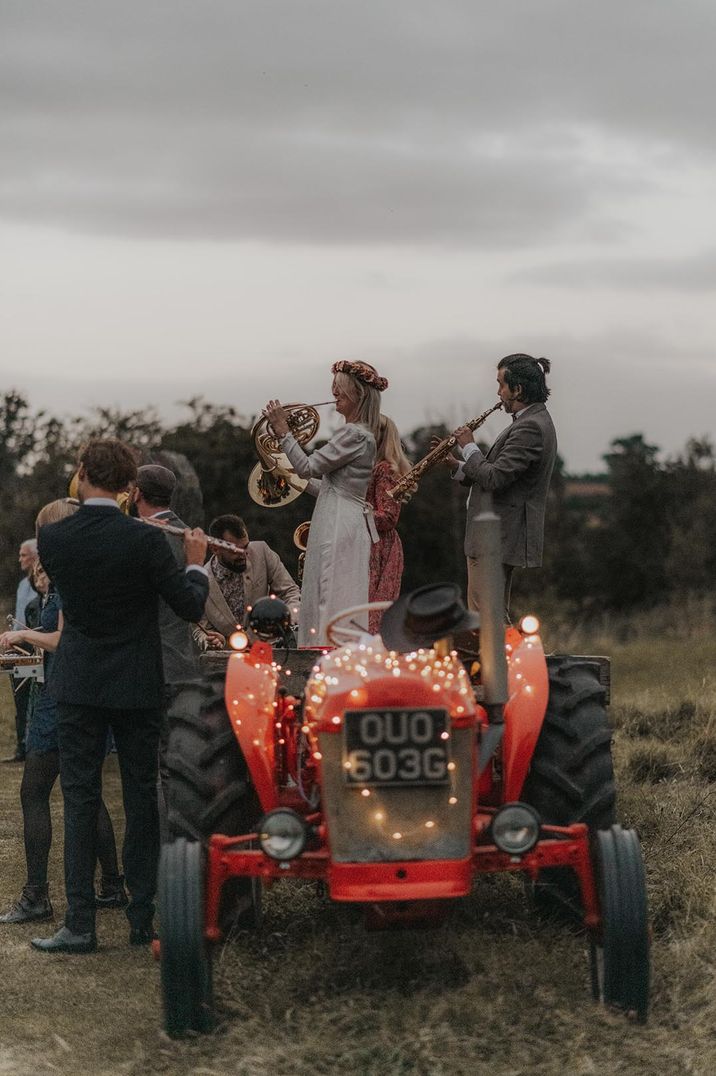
{"points": [[156, 483]]}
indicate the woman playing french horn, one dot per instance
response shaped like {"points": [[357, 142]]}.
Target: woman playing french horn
{"points": [[342, 527]]}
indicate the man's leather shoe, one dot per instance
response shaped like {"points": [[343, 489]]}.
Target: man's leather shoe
{"points": [[142, 935], [34, 903], [64, 941], [19, 756]]}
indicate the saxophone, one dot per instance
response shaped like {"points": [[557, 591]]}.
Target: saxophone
{"points": [[403, 490]]}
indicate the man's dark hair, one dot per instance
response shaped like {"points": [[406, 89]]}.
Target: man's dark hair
{"points": [[233, 524], [528, 374], [110, 464]]}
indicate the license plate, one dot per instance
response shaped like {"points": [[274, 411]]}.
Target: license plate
{"points": [[395, 747]]}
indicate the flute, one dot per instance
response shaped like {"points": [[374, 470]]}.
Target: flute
{"points": [[213, 543]]}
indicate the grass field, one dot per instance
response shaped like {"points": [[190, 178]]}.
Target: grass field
{"points": [[493, 991]]}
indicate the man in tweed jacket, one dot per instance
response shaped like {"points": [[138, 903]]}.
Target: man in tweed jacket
{"points": [[516, 470]]}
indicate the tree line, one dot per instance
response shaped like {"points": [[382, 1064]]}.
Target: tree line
{"points": [[633, 537]]}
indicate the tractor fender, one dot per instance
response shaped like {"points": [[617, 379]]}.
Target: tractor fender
{"points": [[528, 686], [250, 695]]}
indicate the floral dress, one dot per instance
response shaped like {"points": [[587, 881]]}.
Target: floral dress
{"points": [[386, 555]]}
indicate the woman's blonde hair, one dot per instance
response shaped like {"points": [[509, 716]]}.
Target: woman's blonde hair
{"points": [[36, 569], [390, 447], [55, 511], [365, 396]]}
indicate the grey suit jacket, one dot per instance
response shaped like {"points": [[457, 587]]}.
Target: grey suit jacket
{"points": [[264, 575], [517, 471], [180, 653]]}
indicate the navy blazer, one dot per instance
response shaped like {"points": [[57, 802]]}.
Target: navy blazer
{"points": [[110, 571]]}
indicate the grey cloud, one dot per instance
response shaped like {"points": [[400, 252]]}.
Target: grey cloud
{"points": [[346, 194], [451, 122], [690, 274]]}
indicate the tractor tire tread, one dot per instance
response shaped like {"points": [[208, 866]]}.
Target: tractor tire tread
{"points": [[178, 766], [571, 778], [217, 746]]}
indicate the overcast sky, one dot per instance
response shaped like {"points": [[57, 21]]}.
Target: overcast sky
{"points": [[225, 196]]}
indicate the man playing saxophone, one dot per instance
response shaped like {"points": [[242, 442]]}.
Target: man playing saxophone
{"points": [[516, 470]]}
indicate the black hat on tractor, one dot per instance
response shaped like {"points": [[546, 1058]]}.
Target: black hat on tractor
{"points": [[425, 615]]}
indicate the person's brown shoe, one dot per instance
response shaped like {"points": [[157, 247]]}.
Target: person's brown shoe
{"points": [[34, 904]]}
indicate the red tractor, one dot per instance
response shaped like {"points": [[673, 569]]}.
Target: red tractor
{"points": [[394, 778]]}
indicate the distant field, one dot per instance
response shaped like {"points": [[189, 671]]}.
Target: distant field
{"points": [[494, 991]]}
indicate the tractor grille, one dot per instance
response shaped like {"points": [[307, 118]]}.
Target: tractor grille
{"points": [[361, 828]]}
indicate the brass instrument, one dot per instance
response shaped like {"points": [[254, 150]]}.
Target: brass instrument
{"points": [[300, 540], [123, 499], [273, 481], [403, 490]]}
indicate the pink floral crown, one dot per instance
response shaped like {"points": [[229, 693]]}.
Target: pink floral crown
{"points": [[363, 371]]}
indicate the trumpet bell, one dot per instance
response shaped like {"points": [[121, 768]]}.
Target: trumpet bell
{"points": [[276, 487], [300, 535]]}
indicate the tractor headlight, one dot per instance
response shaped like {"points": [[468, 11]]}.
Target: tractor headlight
{"points": [[282, 834], [515, 829], [238, 640]]}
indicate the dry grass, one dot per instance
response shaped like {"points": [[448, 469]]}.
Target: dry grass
{"points": [[492, 991]]}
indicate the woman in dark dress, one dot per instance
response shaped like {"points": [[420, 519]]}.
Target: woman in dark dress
{"points": [[42, 766]]}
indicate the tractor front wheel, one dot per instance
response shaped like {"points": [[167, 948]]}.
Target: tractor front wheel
{"points": [[184, 952], [571, 778], [620, 951]]}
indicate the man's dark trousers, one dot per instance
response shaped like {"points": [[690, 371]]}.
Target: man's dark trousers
{"points": [[83, 740]]}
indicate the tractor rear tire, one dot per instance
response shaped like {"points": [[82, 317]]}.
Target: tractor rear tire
{"points": [[185, 957], [620, 953], [571, 778], [210, 791]]}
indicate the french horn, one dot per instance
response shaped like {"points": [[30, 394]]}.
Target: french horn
{"points": [[273, 481]]}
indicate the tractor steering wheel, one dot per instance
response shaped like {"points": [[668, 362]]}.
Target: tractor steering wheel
{"points": [[348, 633]]}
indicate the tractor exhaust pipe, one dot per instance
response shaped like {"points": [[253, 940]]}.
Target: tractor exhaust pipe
{"points": [[490, 590]]}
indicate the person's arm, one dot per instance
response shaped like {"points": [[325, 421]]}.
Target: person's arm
{"points": [[46, 640], [206, 638], [385, 510], [523, 447], [281, 583], [345, 446], [184, 591]]}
